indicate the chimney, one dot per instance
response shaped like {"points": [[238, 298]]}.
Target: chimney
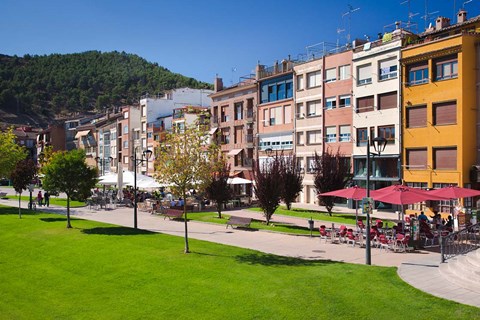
{"points": [[218, 85], [259, 70], [461, 16], [441, 23]]}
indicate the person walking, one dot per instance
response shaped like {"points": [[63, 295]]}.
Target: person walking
{"points": [[46, 198], [39, 198]]}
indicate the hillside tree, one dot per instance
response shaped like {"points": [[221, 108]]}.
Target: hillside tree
{"points": [[11, 153]]}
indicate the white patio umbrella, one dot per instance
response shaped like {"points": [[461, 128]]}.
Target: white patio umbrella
{"points": [[120, 181], [238, 180]]}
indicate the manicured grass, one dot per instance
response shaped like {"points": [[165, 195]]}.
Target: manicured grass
{"points": [[212, 217], [100, 271], [53, 201]]}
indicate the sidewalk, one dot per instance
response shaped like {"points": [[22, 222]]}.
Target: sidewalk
{"points": [[419, 268]]}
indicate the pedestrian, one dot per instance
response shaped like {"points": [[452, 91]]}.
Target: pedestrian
{"points": [[39, 198], [46, 197]]}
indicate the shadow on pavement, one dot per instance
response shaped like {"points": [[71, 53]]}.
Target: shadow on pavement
{"points": [[273, 260], [116, 231]]}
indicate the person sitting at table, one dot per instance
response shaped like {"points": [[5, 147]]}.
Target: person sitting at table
{"points": [[173, 203], [180, 202], [423, 217]]}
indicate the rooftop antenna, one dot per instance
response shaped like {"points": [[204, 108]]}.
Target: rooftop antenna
{"points": [[465, 2], [349, 14], [339, 31], [410, 14], [428, 15], [234, 69]]}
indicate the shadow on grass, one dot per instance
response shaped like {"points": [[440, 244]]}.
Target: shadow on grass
{"points": [[273, 260], [62, 219], [116, 231], [14, 210]]}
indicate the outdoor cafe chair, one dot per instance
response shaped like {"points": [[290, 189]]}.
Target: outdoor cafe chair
{"points": [[342, 234], [350, 237], [384, 243], [324, 233]]}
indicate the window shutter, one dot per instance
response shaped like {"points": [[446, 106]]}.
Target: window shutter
{"points": [[417, 117], [445, 113], [365, 104], [445, 158], [387, 100], [417, 157]]}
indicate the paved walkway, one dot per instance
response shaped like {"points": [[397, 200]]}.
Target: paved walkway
{"points": [[419, 268]]}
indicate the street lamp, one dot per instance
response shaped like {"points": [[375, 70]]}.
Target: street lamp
{"points": [[136, 162], [379, 144]]}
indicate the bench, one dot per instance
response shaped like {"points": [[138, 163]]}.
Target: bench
{"points": [[239, 222], [3, 195], [172, 213]]}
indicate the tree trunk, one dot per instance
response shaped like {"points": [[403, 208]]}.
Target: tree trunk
{"points": [[68, 212], [219, 209], [289, 205], [187, 249], [19, 207]]}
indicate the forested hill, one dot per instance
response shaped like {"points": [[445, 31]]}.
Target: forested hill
{"points": [[42, 87]]}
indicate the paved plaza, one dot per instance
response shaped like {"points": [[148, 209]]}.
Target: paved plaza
{"points": [[418, 268]]}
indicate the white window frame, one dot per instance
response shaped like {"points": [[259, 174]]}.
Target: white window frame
{"points": [[314, 79], [330, 103], [345, 136], [344, 72], [314, 137], [300, 83], [318, 108], [331, 75], [330, 134], [366, 69], [343, 97]]}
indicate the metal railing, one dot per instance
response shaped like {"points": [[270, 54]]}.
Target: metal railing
{"points": [[460, 242]]}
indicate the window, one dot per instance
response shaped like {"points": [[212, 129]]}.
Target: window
{"points": [[300, 163], [125, 160], [144, 127], [277, 89], [417, 117], [314, 79], [276, 116], [330, 103], [125, 115], [344, 72], [224, 115], [314, 137], [387, 100], [417, 159], [300, 84], [300, 111], [364, 74], [238, 110], [330, 75], [300, 139], [266, 118], [314, 108], [445, 158], [446, 68], [238, 134], [125, 129], [345, 133], [144, 143], [387, 132], [310, 164], [125, 144], [365, 104], [144, 111], [445, 113], [387, 69], [362, 137], [344, 101], [417, 73], [330, 134]]}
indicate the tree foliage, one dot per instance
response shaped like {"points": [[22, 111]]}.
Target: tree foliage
{"points": [[47, 85], [268, 185], [183, 163], [10, 153], [68, 172], [292, 179], [331, 172], [22, 176], [218, 188]]}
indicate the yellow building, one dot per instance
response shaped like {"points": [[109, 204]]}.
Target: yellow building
{"points": [[439, 83]]}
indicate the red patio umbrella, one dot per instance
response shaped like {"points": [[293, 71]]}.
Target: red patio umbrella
{"points": [[403, 195], [455, 192], [355, 193]]}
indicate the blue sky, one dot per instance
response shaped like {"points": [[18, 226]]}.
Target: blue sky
{"points": [[200, 39]]}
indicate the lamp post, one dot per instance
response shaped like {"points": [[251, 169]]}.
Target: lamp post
{"points": [[136, 162], [379, 144]]}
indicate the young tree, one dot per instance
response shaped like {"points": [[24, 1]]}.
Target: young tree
{"points": [[331, 172], [292, 179], [268, 185], [21, 177], [11, 153], [68, 172], [183, 163], [218, 188]]}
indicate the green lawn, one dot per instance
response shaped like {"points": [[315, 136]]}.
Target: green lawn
{"points": [[53, 201], [99, 271], [257, 224]]}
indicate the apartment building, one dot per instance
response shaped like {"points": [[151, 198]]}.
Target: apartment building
{"points": [[233, 123], [275, 126], [128, 136], [440, 105], [107, 150], [376, 94]]}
